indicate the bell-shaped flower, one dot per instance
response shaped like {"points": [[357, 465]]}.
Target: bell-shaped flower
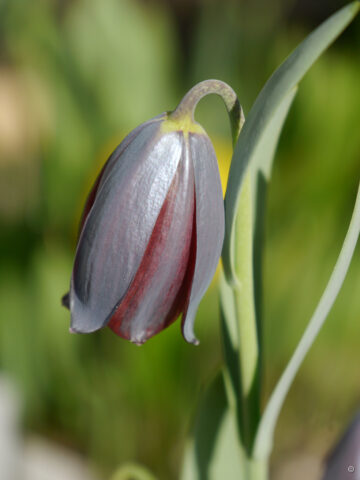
{"points": [[151, 233]]}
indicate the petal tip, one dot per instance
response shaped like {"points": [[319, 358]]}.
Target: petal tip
{"points": [[138, 343], [83, 318], [139, 338], [65, 301], [188, 333], [187, 325]]}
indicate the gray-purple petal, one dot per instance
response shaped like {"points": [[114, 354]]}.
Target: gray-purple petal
{"points": [[209, 224], [117, 230], [160, 289]]}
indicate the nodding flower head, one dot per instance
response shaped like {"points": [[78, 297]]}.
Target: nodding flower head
{"points": [[151, 233]]}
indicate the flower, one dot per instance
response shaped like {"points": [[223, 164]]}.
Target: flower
{"points": [[151, 233], [344, 461]]}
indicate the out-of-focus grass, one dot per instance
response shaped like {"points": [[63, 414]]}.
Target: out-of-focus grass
{"points": [[73, 81]]}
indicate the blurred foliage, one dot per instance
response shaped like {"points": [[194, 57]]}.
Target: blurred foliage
{"points": [[75, 77]]}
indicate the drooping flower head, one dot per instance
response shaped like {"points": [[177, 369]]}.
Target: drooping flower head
{"points": [[152, 229]]}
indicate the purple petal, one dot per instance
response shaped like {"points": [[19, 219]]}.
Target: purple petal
{"points": [[209, 225], [158, 294], [119, 225], [107, 167], [344, 461]]}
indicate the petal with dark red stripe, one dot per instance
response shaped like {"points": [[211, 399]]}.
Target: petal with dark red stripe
{"points": [[160, 289], [119, 226]]}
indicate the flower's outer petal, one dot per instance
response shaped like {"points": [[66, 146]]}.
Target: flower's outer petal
{"points": [[158, 293], [111, 161], [105, 171], [209, 225], [65, 300], [344, 461], [117, 230]]}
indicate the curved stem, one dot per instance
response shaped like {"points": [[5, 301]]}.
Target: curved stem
{"points": [[189, 102], [264, 437]]}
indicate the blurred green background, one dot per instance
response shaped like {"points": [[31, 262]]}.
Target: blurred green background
{"points": [[75, 77]]}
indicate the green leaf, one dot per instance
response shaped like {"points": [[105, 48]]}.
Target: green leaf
{"points": [[214, 452], [230, 342], [132, 471], [263, 113], [264, 438], [260, 175]]}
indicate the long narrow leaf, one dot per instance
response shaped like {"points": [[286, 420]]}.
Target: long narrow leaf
{"points": [[284, 79], [214, 452], [264, 438], [261, 170]]}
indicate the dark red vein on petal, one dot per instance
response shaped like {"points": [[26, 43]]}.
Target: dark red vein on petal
{"points": [[177, 294]]}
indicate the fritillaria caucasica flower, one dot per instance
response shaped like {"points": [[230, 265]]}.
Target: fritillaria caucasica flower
{"points": [[152, 228], [344, 461]]}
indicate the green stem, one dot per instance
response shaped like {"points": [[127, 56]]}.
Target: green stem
{"points": [[248, 342], [191, 99], [257, 469], [247, 392]]}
